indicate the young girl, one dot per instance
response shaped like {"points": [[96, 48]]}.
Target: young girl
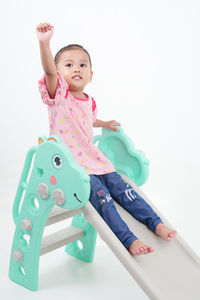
{"points": [[72, 115]]}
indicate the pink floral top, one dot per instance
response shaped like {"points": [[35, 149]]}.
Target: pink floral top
{"points": [[72, 119]]}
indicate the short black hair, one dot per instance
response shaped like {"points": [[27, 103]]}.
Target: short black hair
{"points": [[71, 47]]}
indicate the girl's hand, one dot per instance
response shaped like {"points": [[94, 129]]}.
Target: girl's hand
{"points": [[111, 125], [44, 32]]}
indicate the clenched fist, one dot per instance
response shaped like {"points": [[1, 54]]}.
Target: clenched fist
{"points": [[44, 32]]}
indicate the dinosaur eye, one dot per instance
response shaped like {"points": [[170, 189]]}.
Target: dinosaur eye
{"points": [[57, 161]]}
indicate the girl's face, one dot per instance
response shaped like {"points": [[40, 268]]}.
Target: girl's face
{"points": [[74, 65]]}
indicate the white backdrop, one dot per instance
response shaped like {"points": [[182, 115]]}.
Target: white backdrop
{"points": [[146, 64]]}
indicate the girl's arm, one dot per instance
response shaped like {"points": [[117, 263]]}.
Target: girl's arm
{"points": [[44, 33], [107, 124]]}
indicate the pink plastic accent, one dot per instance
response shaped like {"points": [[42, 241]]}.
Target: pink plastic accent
{"points": [[53, 180]]}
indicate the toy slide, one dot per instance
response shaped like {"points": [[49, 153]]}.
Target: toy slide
{"points": [[171, 272], [53, 187]]}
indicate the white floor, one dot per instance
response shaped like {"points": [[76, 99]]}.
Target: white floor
{"points": [[65, 277]]}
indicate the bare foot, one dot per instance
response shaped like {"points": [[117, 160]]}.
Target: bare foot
{"points": [[165, 232], [138, 248]]}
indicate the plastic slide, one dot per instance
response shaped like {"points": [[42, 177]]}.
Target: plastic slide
{"points": [[53, 187], [171, 272]]}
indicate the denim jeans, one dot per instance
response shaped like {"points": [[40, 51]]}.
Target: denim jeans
{"points": [[106, 186]]}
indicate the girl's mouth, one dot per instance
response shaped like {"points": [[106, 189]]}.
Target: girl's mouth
{"points": [[76, 77]]}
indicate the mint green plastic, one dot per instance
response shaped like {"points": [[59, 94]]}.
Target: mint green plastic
{"points": [[120, 150], [84, 250], [52, 177], [70, 178]]}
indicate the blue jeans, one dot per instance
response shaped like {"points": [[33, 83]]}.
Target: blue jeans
{"points": [[106, 186]]}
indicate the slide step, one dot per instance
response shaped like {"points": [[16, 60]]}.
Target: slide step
{"points": [[60, 238], [58, 214]]}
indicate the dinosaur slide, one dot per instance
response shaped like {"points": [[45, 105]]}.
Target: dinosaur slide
{"points": [[53, 187]]}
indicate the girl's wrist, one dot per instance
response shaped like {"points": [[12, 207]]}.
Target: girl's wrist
{"points": [[44, 42], [104, 124], [99, 123]]}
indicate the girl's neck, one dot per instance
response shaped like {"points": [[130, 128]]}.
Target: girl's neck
{"points": [[78, 94]]}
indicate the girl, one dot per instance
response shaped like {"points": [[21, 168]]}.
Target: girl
{"points": [[72, 115]]}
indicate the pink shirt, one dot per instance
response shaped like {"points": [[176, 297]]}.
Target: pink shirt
{"points": [[72, 119]]}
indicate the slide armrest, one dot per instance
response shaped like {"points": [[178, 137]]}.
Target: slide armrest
{"points": [[120, 150]]}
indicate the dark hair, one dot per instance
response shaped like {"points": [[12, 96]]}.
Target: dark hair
{"points": [[71, 47]]}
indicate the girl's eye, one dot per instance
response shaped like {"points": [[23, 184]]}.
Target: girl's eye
{"points": [[83, 65], [69, 65]]}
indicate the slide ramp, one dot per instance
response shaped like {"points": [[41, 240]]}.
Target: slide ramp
{"points": [[171, 272]]}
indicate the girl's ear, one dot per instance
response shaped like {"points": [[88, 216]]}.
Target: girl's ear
{"points": [[91, 75]]}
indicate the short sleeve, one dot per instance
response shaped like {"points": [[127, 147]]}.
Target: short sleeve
{"points": [[61, 91], [94, 110]]}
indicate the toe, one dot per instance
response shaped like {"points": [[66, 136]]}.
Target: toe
{"points": [[172, 233], [145, 249], [140, 250], [151, 249], [168, 237]]}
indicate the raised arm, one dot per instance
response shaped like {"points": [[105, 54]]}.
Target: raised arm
{"points": [[44, 33]]}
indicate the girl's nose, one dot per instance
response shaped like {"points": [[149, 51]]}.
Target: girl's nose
{"points": [[76, 68]]}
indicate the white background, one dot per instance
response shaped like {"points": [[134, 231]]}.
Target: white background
{"points": [[146, 65]]}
